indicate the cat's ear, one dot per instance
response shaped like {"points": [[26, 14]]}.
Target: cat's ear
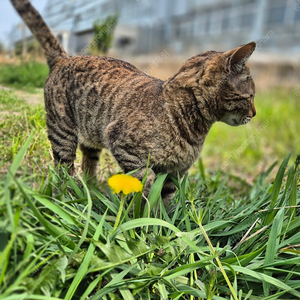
{"points": [[236, 58]]}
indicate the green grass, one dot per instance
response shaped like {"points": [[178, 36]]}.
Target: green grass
{"points": [[17, 120], [57, 241], [222, 237], [248, 150], [25, 75]]}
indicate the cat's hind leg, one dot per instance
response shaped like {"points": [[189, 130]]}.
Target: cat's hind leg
{"points": [[168, 191], [90, 158], [64, 145]]}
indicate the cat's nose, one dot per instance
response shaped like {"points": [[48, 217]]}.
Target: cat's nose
{"points": [[252, 109], [252, 114]]}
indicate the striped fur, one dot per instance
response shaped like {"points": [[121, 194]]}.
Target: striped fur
{"points": [[102, 102]]}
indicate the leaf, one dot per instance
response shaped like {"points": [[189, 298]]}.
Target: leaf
{"points": [[188, 290], [276, 189], [75, 187], [16, 297], [85, 263], [162, 290], [9, 177], [113, 252], [116, 283], [55, 231], [154, 193], [185, 269], [265, 278], [4, 256], [138, 247], [294, 239], [293, 196], [29, 245], [87, 224], [55, 208], [46, 281], [245, 259], [272, 245], [61, 267], [17, 161], [182, 194]]}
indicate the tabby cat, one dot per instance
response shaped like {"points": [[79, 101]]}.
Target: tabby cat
{"points": [[103, 102]]}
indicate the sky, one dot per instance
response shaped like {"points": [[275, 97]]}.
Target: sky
{"points": [[9, 17]]}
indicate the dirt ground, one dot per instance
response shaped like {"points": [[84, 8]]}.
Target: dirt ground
{"points": [[30, 98]]}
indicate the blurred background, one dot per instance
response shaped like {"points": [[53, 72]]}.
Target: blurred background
{"points": [[177, 29], [159, 35]]}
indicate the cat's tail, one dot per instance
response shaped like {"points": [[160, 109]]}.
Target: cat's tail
{"points": [[40, 30]]}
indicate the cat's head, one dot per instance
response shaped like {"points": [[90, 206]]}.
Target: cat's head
{"points": [[236, 89], [222, 84]]}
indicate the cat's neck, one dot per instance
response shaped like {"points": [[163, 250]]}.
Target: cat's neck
{"points": [[195, 107]]}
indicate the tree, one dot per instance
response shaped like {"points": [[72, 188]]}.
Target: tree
{"points": [[2, 49], [103, 34], [35, 49]]}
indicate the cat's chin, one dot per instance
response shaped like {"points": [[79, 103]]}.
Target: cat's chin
{"points": [[235, 122], [231, 121]]}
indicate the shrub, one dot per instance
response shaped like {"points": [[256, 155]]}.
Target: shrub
{"points": [[27, 74]]}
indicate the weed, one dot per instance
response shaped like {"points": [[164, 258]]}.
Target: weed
{"points": [[58, 241], [25, 75]]}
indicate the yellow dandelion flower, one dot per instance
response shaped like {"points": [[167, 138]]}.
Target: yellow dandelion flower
{"points": [[124, 183]]}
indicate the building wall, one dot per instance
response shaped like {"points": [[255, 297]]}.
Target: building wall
{"points": [[181, 26], [59, 14], [222, 24]]}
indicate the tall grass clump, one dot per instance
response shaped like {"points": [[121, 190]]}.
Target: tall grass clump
{"points": [[31, 74], [58, 241]]}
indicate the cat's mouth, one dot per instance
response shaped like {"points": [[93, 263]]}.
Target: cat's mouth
{"points": [[242, 121], [246, 120]]}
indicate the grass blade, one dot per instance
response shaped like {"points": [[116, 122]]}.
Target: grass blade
{"points": [[265, 278], [154, 194], [85, 263], [11, 173], [272, 245], [276, 189]]}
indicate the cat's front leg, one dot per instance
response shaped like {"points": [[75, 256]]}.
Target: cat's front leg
{"points": [[127, 166], [169, 188], [149, 180], [168, 192]]}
